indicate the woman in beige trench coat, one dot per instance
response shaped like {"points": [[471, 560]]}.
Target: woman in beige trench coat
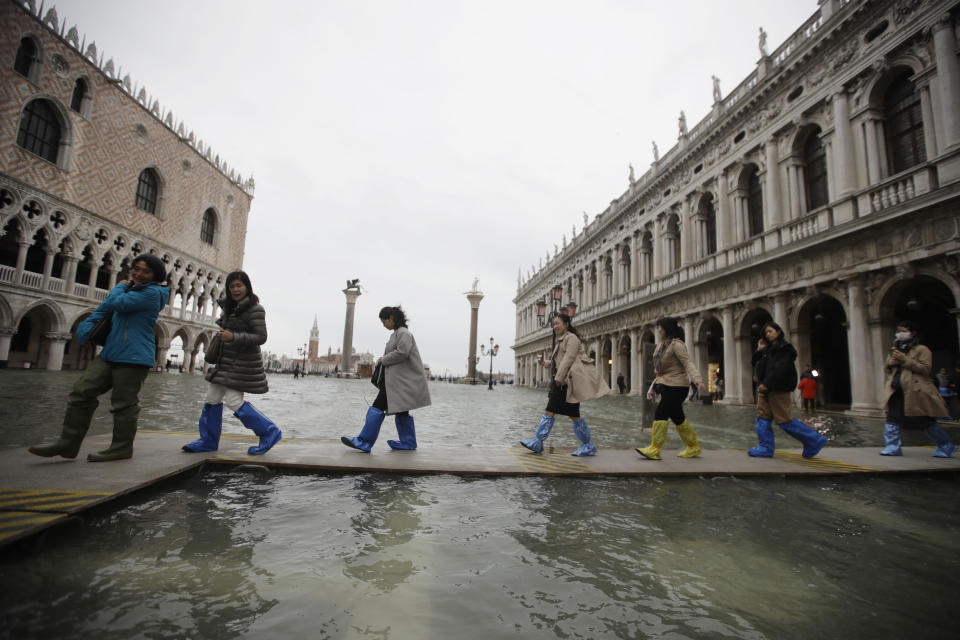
{"points": [[912, 401], [573, 379]]}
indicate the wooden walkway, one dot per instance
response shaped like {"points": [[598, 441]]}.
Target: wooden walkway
{"points": [[37, 493]]}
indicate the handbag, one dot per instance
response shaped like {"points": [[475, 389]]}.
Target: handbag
{"points": [[377, 376], [101, 330], [212, 354]]}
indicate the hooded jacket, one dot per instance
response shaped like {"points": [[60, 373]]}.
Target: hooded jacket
{"points": [[775, 368], [135, 310], [240, 366]]}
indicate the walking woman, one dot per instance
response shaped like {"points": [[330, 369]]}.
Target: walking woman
{"points": [[238, 370], [912, 400], [674, 372], [573, 379], [403, 387], [774, 364], [128, 355]]}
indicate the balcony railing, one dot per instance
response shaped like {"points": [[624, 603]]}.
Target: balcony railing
{"points": [[896, 190], [7, 273]]}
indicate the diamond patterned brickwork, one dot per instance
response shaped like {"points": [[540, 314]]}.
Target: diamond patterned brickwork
{"points": [[110, 148]]}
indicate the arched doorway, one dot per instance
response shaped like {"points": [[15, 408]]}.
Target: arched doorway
{"points": [[646, 347], [709, 345], [29, 347], [606, 361], [927, 302], [822, 342], [623, 360]]}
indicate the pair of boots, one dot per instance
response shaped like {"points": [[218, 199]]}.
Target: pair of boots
{"points": [[371, 429], [891, 437], [76, 421], [211, 422], [812, 441], [659, 438], [580, 429]]}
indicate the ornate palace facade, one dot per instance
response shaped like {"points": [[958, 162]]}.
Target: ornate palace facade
{"points": [[823, 192], [93, 171]]}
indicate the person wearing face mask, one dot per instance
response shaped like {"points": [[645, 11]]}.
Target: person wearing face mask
{"points": [[774, 364], [121, 366], [238, 370], [912, 400]]}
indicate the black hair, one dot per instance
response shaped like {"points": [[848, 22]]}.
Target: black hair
{"points": [[230, 304], [779, 329], [565, 319], [671, 327], [155, 264], [399, 317], [909, 325]]}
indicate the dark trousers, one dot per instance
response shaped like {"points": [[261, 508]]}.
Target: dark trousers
{"points": [[381, 400], [809, 404], [671, 404], [125, 382]]}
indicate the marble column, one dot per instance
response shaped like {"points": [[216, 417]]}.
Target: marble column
{"points": [[687, 236], [948, 80], [772, 214], [874, 174], [6, 333], [346, 362], [47, 268], [724, 239], [163, 350], [55, 352], [69, 273], [92, 280], [636, 382], [658, 249], [474, 297], [843, 168], [634, 261], [862, 380], [732, 390], [929, 128], [22, 247], [780, 312], [615, 267]]}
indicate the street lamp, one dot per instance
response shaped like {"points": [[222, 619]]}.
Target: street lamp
{"points": [[302, 352], [494, 349]]}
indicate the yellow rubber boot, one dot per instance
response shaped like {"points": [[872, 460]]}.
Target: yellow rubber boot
{"points": [[689, 437], [657, 441]]}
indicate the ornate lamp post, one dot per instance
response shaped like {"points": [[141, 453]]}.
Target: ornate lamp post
{"points": [[494, 349], [302, 352]]}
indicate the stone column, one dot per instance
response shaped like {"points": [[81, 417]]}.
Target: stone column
{"points": [[658, 248], [69, 273], [843, 162], [114, 270], [688, 334], [6, 333], [47, 268], [732, 389], [687, 236], [948, 80], [780, 312], [92, 280], [772, 215], [615, 267], [55, 353], [863, 380], [929, 130], [22, 247], [874, 174], [163, 350], [634, 261], [474, 297], [636, 382], [346, 364], [794, 180]]}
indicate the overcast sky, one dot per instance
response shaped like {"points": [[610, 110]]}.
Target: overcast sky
{"points": [[417, 145]]}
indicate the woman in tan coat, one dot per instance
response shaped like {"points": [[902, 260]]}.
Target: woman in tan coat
{"points": [[675, 371], [913, 402], [574, 379]]}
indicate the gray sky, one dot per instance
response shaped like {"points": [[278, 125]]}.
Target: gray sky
{"points": [[417, 145]]}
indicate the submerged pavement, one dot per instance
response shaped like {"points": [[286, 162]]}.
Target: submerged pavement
{"points": [[37, 493]]}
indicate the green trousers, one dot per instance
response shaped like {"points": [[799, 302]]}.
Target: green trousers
{"points": [[125, 381]]}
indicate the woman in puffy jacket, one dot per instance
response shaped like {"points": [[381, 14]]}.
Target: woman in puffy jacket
{"points": [[121, 366], [774, 364], [675, 372], [573, 379], [238, 370]]}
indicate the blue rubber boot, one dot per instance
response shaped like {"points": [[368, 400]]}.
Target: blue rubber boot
{"points": [[406, 432], [945, 448], [767, 442], [812, 441], [260, 425], [368, 435], [535, 444], [582, 431], [211, 420], [891, 437]]}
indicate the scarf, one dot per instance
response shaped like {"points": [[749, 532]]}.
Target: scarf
{"points": [[905, 345]]}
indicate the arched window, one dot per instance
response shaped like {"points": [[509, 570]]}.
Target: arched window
{"points": [[208, 227], [80, 91], [903, 124], [815, 171], [40, 131], [148, 189], [754, 203], [26, 57]]}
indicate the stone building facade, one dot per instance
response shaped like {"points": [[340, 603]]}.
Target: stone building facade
{"points": [[823, 192], [93, 171]]}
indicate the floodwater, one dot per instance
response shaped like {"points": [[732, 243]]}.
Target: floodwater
{"points": [[233, 554]]}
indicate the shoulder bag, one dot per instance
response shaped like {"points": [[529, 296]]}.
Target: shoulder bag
{"points": [[101, 329]]}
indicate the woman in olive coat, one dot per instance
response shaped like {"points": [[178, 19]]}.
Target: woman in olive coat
{"points": [[912, 402], [238, 370], [403, 387]]}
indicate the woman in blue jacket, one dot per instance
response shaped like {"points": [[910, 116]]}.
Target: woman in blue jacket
{"points": [[122, 365]]}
